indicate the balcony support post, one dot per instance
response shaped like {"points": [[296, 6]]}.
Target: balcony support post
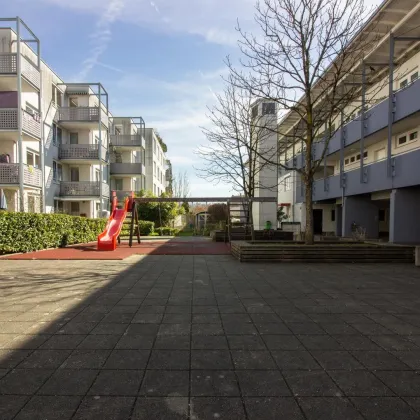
{"points": [[41, 143], [362, 123], [19, 117], [391, 111], [342, 145], [326, 136], [101, 174]]}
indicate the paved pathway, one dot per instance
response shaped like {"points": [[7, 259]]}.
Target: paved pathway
{"points": [[194, 337]]}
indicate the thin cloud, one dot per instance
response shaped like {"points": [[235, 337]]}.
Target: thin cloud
{"points": [[154, 5], [101, 36]]}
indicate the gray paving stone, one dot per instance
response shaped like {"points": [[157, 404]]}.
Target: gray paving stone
{"points": [[379, 360], [210, 408], [273, 409], [207, 329], [10, 358], [384, 408], [10, 405], [63, 342], [161, 408], [117, 382], [100, 408], [211, 359], [253, 359], [290, 360], [127, 359], [45, 359], [86, 359], [165, 383], [99, 342], [246, 342], [134, 342], [314, 383], [169, 359], [69, 382], [169, 342], [336, 360], [174, 329], [329, 408], [209, 342], [214, 383], [262, 383], [403, 383], [24, 381]]}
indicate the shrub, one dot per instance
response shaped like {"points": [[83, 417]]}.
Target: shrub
{"points": [[146, 228], [167, 231], [24, 232]]}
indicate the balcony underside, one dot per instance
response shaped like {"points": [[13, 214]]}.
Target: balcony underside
{"points": [[79, 125], [13, 135], [78, 198], [82, 161], [8, 83]]}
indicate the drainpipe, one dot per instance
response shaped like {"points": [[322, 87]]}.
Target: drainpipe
{"points": [[362, 124], [19, 119], [42, 144], [390, 103]]}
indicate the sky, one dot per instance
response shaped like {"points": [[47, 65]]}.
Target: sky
{"points": [[160, 59]]}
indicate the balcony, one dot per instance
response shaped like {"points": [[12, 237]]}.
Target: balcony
{"points": [[80, 117], [9, 175], [126, 141], [31, 76], [83, 189], [31, 124], [82, 153], [128, 169]]}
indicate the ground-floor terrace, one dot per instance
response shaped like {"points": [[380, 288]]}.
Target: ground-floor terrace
{"points": [[204, 337], [389, 215]]}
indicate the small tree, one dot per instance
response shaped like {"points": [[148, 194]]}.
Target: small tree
{"points": [[161, 214], [181, 185], [302, 58], [218, 213], [233, 143]]}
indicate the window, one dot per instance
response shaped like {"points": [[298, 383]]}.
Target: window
{"points": [[402, 140], [332, 215], [97, 175], [154, 169], [119, 184], [380, 154], [358, 156], [73, 102], [287, 184], [30, 109], [414, 76], [255, 111], [57, 171], [382, 215], [74, 138], [74, 174], [32, 158], [58, 206], [365, 154], [347, 161], [56, 95], [57, 135], [352, 159], [403, 84], [269, 108], [413, 135], [75, 207]]}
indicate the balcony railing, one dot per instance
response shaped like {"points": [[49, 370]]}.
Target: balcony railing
{"points": [[9, 175], [126, 140], [78, 114], [8, 65], [83, 189], [82, 151], [31, 123], [127, 168]]}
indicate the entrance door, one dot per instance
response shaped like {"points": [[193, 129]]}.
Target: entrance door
{"points": [[317, 221], [74, 174]]}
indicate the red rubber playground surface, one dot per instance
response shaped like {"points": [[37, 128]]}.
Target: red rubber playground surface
{"points": [[147, 247]]}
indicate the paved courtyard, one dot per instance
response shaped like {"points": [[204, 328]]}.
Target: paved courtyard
{"points": [[204, 337]]}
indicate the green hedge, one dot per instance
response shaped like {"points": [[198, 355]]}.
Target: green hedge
{"points": [[24, 232], [146, 228], [167, 231]]}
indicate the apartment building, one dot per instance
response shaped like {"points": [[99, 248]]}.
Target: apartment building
{"points": [[155, 163], [61, 150], [370, 175]]}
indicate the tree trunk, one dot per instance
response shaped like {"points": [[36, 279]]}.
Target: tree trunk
{"points": [[309, 228]]}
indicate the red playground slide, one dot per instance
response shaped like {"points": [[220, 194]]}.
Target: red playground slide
{"points": [[107, 240]]}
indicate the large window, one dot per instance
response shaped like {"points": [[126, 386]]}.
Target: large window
{"points": [[269, 108], [405, 138], [57, 135], [75, 207], [74, 138], [288, 184], [32, 158], [57, 172]]}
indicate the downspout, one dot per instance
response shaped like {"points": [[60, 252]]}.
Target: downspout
{"points": [[42, 153], [19, 118]]}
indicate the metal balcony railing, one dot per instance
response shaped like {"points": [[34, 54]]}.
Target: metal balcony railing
{"points": [[127, 168], [82, 151], [9, 175], [31, 123], [8, 65], [126, 140], [83, 189], [78, 114]]}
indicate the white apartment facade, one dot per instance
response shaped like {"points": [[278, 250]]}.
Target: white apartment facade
{"points": [[61, 150], [156, 182], [370, 175]]}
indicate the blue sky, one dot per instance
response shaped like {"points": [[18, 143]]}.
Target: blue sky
{"points": [[159, 59]]}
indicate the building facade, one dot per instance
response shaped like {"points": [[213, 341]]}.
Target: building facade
{"points": [[61, 150], [370, 175], [155, 164]]}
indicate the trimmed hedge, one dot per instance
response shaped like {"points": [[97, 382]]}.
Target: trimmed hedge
{"points": [[146, 228], [24, 232], [167, 231]]}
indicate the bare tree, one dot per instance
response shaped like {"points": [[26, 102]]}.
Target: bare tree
{"points": [[303, 58], [235, 138], [181, 185]]}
